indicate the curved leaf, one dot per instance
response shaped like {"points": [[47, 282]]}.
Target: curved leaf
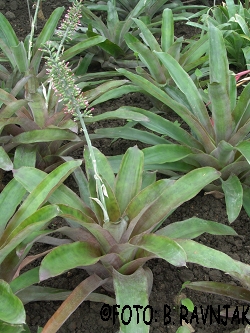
{"points": [[164, 247], [194, 227], [131, 290], [233, 191], [78, 295], [45, 135], [66, 257], [129, 177], [11, 308]]}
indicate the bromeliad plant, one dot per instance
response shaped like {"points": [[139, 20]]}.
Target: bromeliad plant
{"points": [[113, 241], [114, 52], [31, 114], [234, 22], [189, 57], [218, 121], [114, 228]]}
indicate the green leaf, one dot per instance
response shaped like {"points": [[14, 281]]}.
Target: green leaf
{"points": [[5, 162], [41, 192], [25, 156], [129, 178], [48, 29], [159, 154], [164, 247], [10, 328], [233, 191], [195, 227], [147, 36], [147, 57], [66, 257], [208, 257], [167, 30], [187, 86], [188, 304], [35, 222], [11, 308], [244, 148], [172, 197], [81, 46], [119, 114], [16, 192], [25, 280], [7, 34], [45, 135], [131, 290]]}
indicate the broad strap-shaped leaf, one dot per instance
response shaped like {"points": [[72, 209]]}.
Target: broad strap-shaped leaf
{"points": [[12, 107], [142, 200], [48, 29], [163, 127], [45, 135], [187, 86], [233, 191], [147, 57], [195, 227], [11, 308], [25, 280], [203, 255], [21, 57], [180, 109], [81, 46], [78, 295], [164, 247], [182, 190], [7, 33], [131, 290], [25, 155], [159, 154], [244, 148], [147, 36], [129, 177], [107, 45], [116, 93], [129, 134], [219, 90], [42, 191], [220, 288], [10, 328], [5, 162], [241, 112], [167, 30], [16, 192], [68, 256], [32, 224]]}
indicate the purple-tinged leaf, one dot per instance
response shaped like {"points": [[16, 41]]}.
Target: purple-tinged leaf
{"points": [[78, 295]]}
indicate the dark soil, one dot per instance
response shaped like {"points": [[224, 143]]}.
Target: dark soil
{"points": [[167, 279]]}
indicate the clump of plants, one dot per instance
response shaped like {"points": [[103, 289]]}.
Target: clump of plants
{"points": [[218, 124]]}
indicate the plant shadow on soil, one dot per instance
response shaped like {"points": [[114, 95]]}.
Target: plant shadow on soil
{"points": [[167, 278]]}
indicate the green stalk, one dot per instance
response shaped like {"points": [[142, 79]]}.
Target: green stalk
{"points": [[33, 23], [93, 160]]}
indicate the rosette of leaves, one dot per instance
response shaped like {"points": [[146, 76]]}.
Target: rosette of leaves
{"points": [[31, 114], [218, 122], [234, 22], [114, 51], [190, 57], [114, 252], [25, 218]]}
